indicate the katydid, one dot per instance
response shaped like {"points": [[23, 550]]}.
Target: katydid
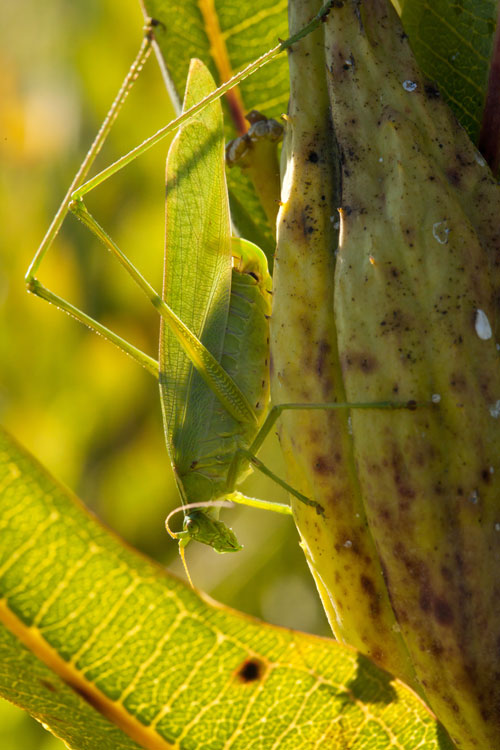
{"points": [[214, 342], [73, 200]]}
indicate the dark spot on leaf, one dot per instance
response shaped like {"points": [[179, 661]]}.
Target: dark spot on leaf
{"points": [[431, 91], [369, 588], [377, 655], [436, 648], [48, 685], [368, 364], [442, 612], [453, 177], [401, 476], [312, 157], [323, 466], [364, 362], [87, 696], [446, 573], [416, 568], [367, 585], [486, 475], [303, 222], [425, 600], [324, 349], [385, 514], [250, 671]]}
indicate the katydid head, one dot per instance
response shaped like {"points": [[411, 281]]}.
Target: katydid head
{"points": [[201, 526]]}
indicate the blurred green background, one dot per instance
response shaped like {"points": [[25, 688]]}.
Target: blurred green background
{"points": [[90, 414]]}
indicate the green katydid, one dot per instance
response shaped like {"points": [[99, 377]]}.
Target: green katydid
{"points": [[213, 368]]}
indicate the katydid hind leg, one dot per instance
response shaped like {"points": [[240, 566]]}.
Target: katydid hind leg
{"points": [[274, 414], [276, 411]]}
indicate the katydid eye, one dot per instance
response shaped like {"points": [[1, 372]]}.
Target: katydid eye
{"points": [[191, 525]]}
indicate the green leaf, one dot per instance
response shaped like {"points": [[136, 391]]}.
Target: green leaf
{"points": [[197, 266], [453, 42], [160, 662], [228, 36], [31, 685]]}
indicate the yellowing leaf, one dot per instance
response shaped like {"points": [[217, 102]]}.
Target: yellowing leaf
{"points": [[163, 665]]}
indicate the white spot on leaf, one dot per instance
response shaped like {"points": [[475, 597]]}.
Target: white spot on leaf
{"points": [[495, 411], [409, 85], [436, 398], [474, 497], [440, 232], [482, 324]]}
